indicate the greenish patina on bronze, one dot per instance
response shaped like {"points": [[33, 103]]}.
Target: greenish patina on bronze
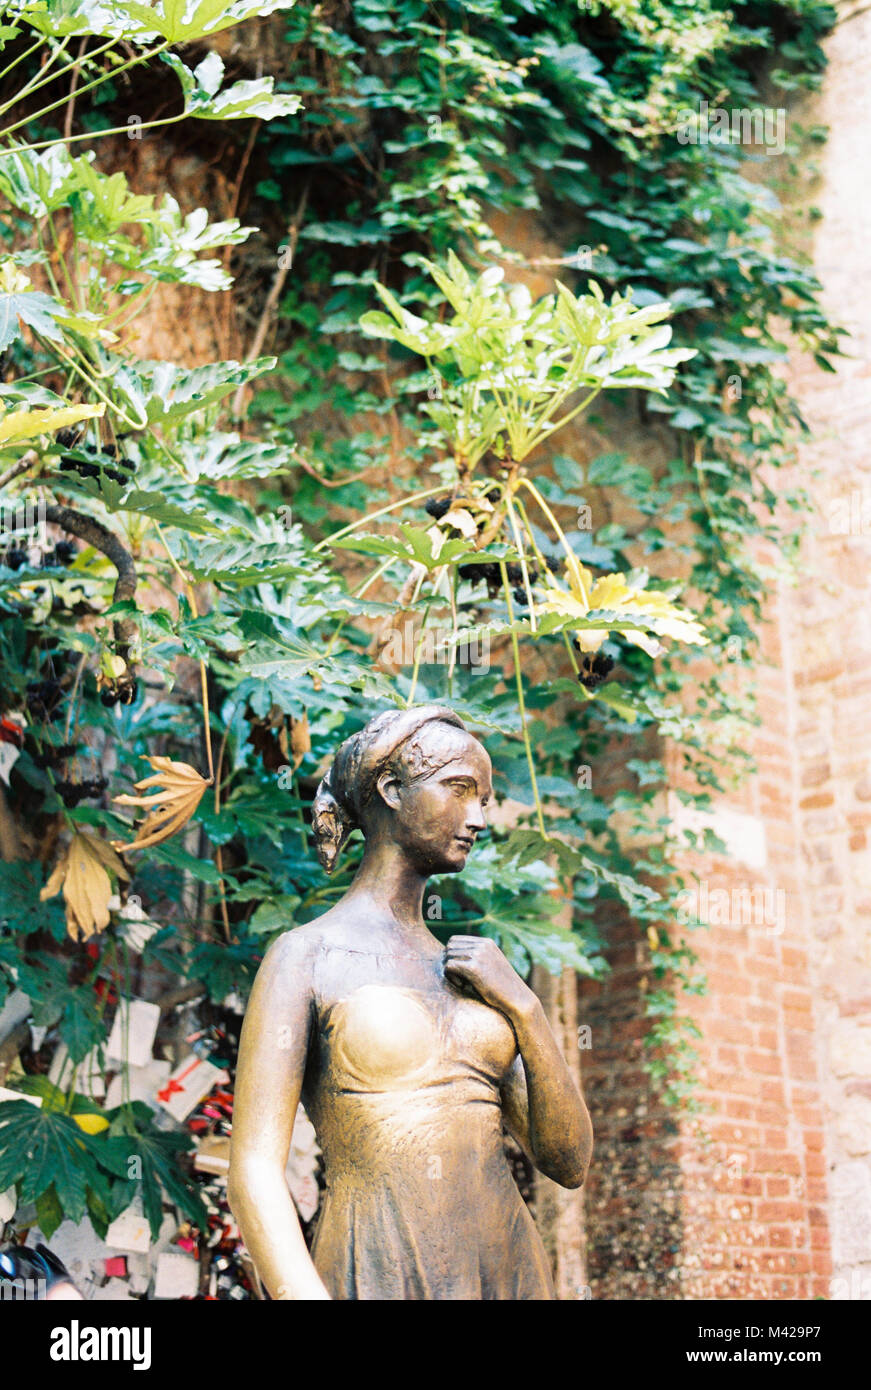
{"points": [[407, 1055]]}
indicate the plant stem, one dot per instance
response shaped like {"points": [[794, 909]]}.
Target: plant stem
{"points": [[417, 656], [515, 646], [357, 593], [89, 380], [571, 651], [95, 134], [558, 424], [572, 558], [39, 78], [453, 581], [370, 516], [21, 58], [97, 82], [527, 526], [34, 86], [191, 597], [519, 543]]}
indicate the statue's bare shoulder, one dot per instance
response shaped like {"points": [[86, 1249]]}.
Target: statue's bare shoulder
{"points": [[292, 956]]}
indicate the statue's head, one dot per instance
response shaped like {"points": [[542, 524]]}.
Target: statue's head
{"points": [[416, 777]]}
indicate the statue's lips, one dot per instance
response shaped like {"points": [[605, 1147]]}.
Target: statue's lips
{"points": [[464, 840]]}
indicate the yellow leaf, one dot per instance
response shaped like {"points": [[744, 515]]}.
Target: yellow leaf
{"points": [[87, 888], [181, 790], [19, 425], [612, 594], [91, 1124]]}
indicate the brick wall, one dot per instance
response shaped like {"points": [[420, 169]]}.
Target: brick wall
{"points": [[768, 1194], [826, 623]]}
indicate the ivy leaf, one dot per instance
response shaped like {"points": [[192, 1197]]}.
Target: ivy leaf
{"points": [[81, 1027], [20, 907], [742, 350], [45, 980], [277, 915]]}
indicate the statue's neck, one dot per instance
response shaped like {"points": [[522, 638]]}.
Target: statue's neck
{"points": [[391, 884]]}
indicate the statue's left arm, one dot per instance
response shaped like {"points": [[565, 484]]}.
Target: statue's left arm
{"points": [[543, 1107]]}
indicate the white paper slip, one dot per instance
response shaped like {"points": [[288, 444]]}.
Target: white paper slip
{"points": [[178, 1276], [132, 1035], [88, 1074], [82, 1251], [19, 1095], [15, 1010], [142, 1082], [129, 1232], [9, 756], [190, 1081], [114, 1291]]}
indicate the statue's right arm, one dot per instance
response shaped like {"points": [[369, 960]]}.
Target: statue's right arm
{"points": [[272, 1057]]}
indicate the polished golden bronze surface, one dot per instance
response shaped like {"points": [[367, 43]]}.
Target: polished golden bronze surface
{"points": [[408, 1056]]}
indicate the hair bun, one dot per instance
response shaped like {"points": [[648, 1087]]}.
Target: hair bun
{"points": [[331, 822]]}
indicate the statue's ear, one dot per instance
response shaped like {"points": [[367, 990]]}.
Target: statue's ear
{"points": [[388, 786]]}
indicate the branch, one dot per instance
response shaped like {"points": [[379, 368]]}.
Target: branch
{"points": [[94, 533], [293, 231], [74, 80], [31, 456]]}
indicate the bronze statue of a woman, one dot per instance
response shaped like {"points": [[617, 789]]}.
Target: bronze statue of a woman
{"points": [[408, 1055]]}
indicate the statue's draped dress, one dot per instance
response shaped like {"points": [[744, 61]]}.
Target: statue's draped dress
{"points": [[403, 1088]]}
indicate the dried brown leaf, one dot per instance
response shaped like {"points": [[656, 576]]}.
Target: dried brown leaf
{"points": [[82, 870], [180, 791], [300, 738]]}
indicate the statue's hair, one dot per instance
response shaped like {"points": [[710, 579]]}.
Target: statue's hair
{"points": [[391, 742]]}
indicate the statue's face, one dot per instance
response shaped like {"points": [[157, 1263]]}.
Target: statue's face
{"points": [[438, 817]]}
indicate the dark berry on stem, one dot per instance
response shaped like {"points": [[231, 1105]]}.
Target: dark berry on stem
{"points": [[437, 507], [595, 666]]}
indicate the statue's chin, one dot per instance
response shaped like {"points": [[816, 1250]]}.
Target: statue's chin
{"points": [[451, 861], [454, 861]]}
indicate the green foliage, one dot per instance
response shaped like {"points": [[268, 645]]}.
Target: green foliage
{"points": [[417, 121], [515, 363]]}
